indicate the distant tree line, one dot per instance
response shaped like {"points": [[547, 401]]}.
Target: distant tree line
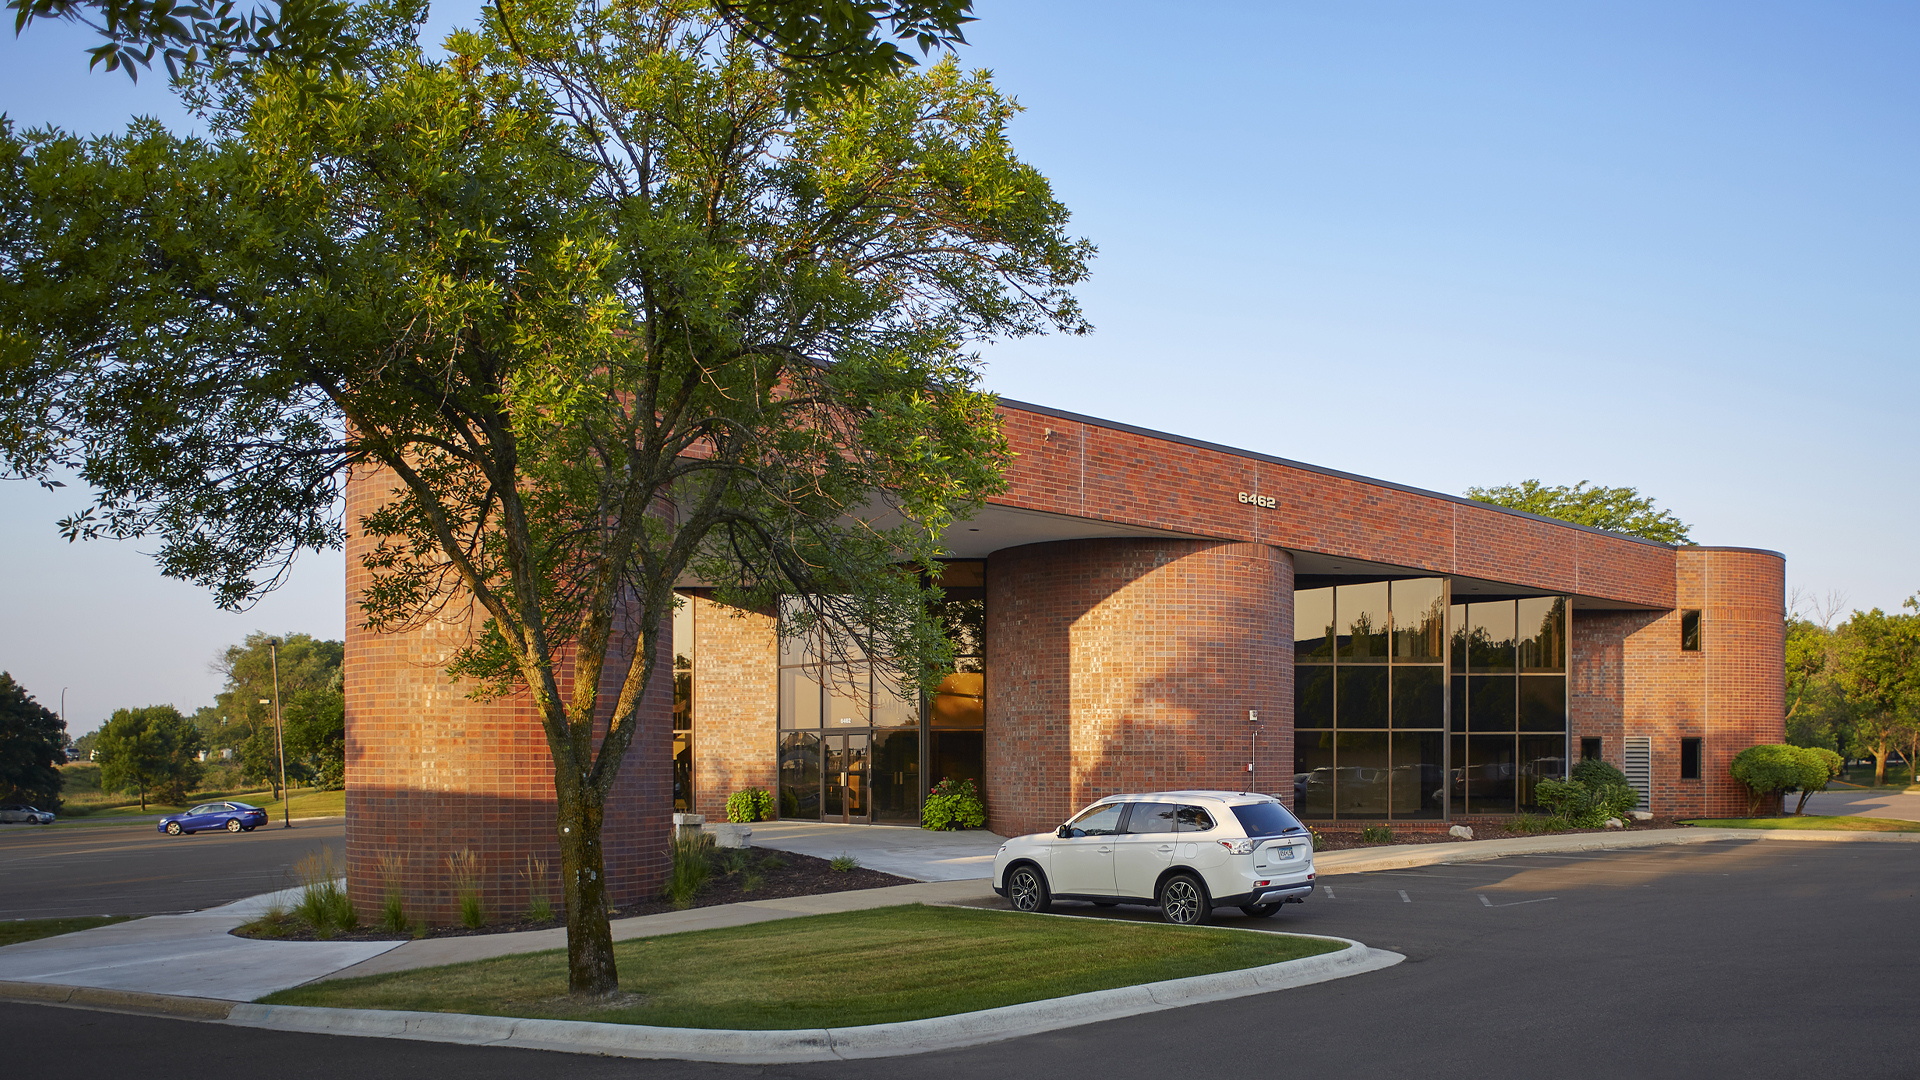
{"points": [[1854, 687]]}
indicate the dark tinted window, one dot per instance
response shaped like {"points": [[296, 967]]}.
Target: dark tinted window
{"points": [[1194, 819], [1265, 819], [1689, 759], [1151, 818], [1690, 631]]}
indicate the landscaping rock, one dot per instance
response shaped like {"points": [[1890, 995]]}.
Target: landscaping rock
{"points": [[1615, 823], [1641, 815], [686, 825], [730, 835], [1463, 832]]}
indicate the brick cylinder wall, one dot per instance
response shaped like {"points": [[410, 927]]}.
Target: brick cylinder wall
{"points": [[736, 703], [1630, 677], [1129, 665], [1742, 597], [431, 772]]}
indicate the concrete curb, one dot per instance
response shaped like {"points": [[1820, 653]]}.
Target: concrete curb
{"points": [[128, 1001], [820, 1044], [1361, 861]]}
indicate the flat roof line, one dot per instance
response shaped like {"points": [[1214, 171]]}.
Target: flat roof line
{"points": [[1115, 425]]}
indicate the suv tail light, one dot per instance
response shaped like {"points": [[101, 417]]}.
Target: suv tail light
{"points": [[1237, 847]]}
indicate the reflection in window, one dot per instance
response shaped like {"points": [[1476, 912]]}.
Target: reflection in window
{"points": [[1362, 697], [683, 704], [1313, 624], [1417, 697], [1360, 612], [1543, 639], [1489, 637], [1419, 620]]}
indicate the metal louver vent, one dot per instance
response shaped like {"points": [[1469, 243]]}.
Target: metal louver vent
{"points": [[1639, 767]]}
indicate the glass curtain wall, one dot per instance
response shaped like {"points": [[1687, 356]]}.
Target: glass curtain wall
{"points": [[854, 745], [1509, 702], [1370, 700], [683, 704]]}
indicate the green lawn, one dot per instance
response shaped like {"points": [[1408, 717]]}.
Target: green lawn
{"points": [[863, 967], [1843, 823], [19, 930]]}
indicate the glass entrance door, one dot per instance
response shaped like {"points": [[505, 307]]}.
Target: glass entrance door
{"points": [[844, 778]]}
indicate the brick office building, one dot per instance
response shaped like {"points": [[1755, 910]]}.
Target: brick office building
{"points": [[1140, 611]]}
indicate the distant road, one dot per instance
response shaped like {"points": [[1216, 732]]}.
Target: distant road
{"points": [[54, 871]]}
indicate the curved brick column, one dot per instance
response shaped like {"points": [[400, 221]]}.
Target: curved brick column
{"points": [[1129, 665], [431, 772]]}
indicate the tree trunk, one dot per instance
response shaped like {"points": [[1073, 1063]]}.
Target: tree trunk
{"points": [[590, 964]]}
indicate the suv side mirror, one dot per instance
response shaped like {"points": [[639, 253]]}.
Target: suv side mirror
{"points": [[1063, 832]]}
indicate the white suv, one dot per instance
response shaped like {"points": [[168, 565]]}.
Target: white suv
{"points": [[1185, 852]]}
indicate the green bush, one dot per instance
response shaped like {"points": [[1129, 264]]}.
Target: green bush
{"points": [[750, 805], [953, 805], [1587, 804], [1597, 774], [1529, 824], [1769, 769], [843, 863], [1376, 834], [1817, 766]]}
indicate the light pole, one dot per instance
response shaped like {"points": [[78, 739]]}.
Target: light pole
{"points": [[280, 736]]}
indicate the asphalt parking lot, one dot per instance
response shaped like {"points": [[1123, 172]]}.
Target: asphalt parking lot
{"points": [[50, 871], [1739, 959]]}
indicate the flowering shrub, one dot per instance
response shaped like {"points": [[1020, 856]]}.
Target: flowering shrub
{"points": [[952, 805]]}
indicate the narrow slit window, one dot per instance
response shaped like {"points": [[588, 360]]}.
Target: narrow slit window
{"points": [[1589, 749], [1689, 759], [1690, 631]]}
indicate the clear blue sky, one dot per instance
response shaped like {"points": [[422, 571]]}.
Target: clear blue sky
{"points": [[1669, 245]]}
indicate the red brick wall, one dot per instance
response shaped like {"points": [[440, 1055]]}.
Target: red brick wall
{"points": [[1129, 665], [1630, 676], [736, 703], [431, 772], [1071, 466]]}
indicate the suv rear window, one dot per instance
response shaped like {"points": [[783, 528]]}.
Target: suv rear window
{"points": [[1266, 819]]}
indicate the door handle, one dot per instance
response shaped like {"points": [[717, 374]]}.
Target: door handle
{"points": [[1165, 847]]}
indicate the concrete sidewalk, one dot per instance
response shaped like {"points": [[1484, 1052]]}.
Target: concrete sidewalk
{"points": [[1904, 805], [909, 852]]}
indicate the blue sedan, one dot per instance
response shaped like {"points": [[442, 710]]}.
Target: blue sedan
{"points": [[231, 816]]}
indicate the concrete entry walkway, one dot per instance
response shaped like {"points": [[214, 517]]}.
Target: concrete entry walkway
{"points": [[919, 854]]}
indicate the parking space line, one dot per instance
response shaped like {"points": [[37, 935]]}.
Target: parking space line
{"points": [[1328, 889], [1404, 898]]}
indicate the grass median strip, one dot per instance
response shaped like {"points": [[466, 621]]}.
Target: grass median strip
{"points": [[865, 967], [1841, 823], [15, 931]]}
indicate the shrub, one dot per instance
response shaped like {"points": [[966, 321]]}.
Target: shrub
{"points": [[1596, 774], [692, 855], [1818, 765], [1529, 824], [1768, 769], [464, 867], [1319, 841], [1376, 834], [843, 862], [952, 805], [750, 805]]}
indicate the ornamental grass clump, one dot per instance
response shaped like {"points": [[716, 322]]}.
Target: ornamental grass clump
{"points": [[692, 856], [463, 867], [393, 907], [323, 902], [539, 906]]}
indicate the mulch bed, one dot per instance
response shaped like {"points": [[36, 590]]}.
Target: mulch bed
{"points": [[1341, 839], [782, 874]]}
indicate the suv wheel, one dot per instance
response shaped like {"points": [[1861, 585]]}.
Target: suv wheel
{"points": [[1027, 890], [1184, 900]]}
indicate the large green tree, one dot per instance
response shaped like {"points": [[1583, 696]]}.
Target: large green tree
{"points": [[33, 744], [1879, 672], [1616, 509], [603, 312], [151, 751], [824, 45], [241, 718]]}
